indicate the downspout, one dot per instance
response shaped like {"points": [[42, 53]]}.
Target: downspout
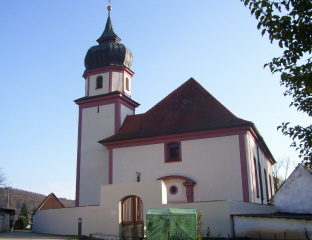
{"points": [[260, 177]]}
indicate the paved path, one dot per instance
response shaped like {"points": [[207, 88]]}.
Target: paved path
{"points": [[29, 235]]}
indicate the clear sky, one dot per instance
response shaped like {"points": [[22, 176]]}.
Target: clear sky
{"points": [[42, 48]]}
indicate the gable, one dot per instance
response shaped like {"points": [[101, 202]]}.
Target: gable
{"points": [[189, 108], [50, 202], [295, 195]]}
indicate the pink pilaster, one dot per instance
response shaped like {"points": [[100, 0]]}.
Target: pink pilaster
{"points": [[244, 172]]}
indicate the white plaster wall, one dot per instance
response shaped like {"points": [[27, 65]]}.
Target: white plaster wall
{"points": [[105, 89], [145, 159], [86, 86], [250, 170], [117, 81], [94, 157], [295, 195], [124, 112], [180, 196], [273, 225], [216, 213], [106, 218], [213, 163], [252, 179], [248, 208], [265, 164]]}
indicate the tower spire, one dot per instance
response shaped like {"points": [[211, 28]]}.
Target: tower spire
{"points": [[109, 32], [109, 7], [109, 52]]}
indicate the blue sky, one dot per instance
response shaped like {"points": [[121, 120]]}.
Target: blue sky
{"points": [[42, 48]]}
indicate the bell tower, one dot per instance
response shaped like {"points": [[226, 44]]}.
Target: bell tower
{"points": [[102, 110]]}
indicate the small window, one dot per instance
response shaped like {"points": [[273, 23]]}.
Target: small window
{"points": [[99, 82], [127, 84], [172, 152], [173, 190]]}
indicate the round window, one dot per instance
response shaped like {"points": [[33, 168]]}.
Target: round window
{"points": [[173, 189]]}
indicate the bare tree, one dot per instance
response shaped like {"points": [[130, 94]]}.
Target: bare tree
{"points": [[281, 170], [278, 180], [2, 178]]}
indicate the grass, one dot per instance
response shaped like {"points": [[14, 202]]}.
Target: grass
{"points": [[72, 236]]}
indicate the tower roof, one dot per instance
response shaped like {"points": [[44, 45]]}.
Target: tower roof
{"points": [[108, 32], [189, 108], [109, 52]]}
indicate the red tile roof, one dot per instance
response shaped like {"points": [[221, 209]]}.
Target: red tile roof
{"points": [[189, 108], [50, 202]]}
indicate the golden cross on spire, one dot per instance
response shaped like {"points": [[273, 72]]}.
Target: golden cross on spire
{"points": [[109, 7]]}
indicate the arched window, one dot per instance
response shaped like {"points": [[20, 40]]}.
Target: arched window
{"points": [[256, 177], [99, 82], [174, 188], [266, 185], [127, 84]]}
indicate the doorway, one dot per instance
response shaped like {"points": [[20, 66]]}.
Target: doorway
{"points": [[132, 218]]}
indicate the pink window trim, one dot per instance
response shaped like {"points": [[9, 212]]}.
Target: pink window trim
{"points": [[167, 154], [189, 184], [172, 192]]}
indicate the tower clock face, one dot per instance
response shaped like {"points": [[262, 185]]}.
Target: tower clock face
{"points": [[174, 190]]}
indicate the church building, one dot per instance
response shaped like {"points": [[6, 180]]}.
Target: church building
{"points": [[191, 141], [187, 151]]}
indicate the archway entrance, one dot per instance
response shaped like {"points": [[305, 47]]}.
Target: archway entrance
{"points": [[132, 218]]}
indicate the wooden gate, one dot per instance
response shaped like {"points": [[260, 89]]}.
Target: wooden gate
{"points": [[132, 218]]}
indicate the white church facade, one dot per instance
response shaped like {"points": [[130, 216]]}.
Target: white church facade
{"points": [[188, 137], [188, 151]]}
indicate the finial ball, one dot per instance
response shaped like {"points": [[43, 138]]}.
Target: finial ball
{"points": [[109, 8]]}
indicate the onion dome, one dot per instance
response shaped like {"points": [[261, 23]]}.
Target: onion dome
{"points": [[109, 52]]}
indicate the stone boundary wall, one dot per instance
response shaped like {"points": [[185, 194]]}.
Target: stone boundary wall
{"points": [[4, 222]]}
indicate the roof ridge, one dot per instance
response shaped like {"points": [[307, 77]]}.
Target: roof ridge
{"points": [[190, 79], [189, 108]]}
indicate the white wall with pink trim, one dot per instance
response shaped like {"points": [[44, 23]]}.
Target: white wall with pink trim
{"points": [[124, 111], [214, 163], [94, 157], [93, 91], [106, 218], [255, 153]]}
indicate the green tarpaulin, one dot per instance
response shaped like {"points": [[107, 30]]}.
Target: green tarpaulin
{"points": [[171, 223]]}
